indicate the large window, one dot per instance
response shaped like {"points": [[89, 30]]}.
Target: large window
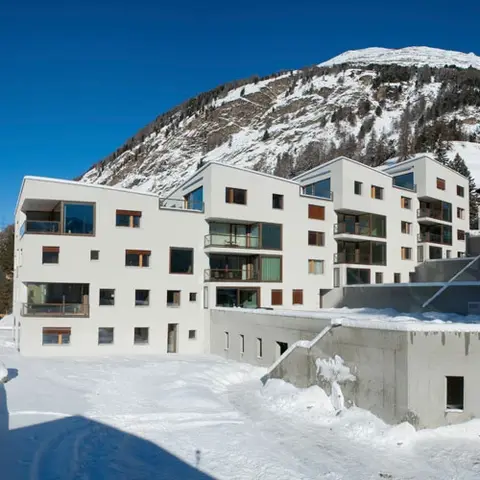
{"points": [[137, 258], [128, 218], [238, 297], [320, 189], [181, 260], [50, 254], [56, 336], [194, 200], [142, 298], [140, 336], [79, 218], [405, 181], [271, 268], [271, 236], [107, 296], [236, 195], [105, 336]]}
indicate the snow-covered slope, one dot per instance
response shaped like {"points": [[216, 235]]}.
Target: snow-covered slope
{"points": [[291, 121], [434, 57]]}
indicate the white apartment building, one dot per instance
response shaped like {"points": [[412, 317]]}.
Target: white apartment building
{"points": [[102, 270]]}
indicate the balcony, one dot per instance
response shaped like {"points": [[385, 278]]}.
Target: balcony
{"points": [[55, 310], [429, 213], [359, 258], [231, 241], [181, 204], [348, 228], [428, 237], [226, 275], [39, 226]]}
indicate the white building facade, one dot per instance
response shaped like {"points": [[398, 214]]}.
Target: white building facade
{"points": [[102, 270]]}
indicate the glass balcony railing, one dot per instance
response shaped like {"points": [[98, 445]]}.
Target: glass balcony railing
{"points": [[430, 213], [427, 237], [357, 258], [357, 229], [220, 275], [231, 241], [55, 310], [42, 226], [180, 204]]}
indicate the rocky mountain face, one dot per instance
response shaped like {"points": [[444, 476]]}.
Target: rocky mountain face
{"points": [[370, 105]]}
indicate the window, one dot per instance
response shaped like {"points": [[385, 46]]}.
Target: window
{"points": [[242, 344], [460, 235], [173, 298], [455, 393], [460, 254], [142, 298], [56, 336], [316, 238], [441, 183], [315, 267], [281, 348], [406, 253], [50, 254], [397, 278], [181, 260], [259, 348], [406, 202], [448, 254], [236, 195], [105, 335], [460, 213], [357, 188], [319, 189], [271, 236], [137, 258], [460, 191], [194, 200], [420, 253], [79, 218], [128, 218], [336, 277], [205, 297], [192, 296], [227, 340], [406, 228], [94, 254], [378, 277], [277, 297], [277, 201], [376, 192], [405, 181], [271, 269], [297, 297], [107, 296], [192, 334], [316, 212], [140, 335]]}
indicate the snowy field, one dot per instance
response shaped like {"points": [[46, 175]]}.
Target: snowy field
{"points": [[201, 417]]}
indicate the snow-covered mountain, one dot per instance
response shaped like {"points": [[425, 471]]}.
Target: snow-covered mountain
{"points": [[364, 104]]}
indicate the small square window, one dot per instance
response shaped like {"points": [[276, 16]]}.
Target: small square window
{"points": [[277, 201], [397, 278], [441, 183], [406, 253], [316, 238], [142, 298], [315, 267], [94, 254], [455, 393], [297, 297], [357, 188], [192, 334], [460, 191], [140, 335], [406, 202], [277, 297], [378, 277], [107, 296], [137, 258], [105, 335], [460, 235], [406, 227], [460, 213], [193, 296], [236, 195], [173, 298], [376, 192], [50, 254]]}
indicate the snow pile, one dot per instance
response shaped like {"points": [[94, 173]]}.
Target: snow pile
{"points": [[7, 322], [433, 57], [3, 373]]}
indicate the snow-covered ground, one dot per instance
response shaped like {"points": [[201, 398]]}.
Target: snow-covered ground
{"points": [[160, 417]]}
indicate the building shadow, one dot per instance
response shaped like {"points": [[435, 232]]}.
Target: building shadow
{"points": [[79, 448]]}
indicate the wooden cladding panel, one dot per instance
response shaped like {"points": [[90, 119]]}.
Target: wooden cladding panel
{"points": [[317, 212], [297, 297], [277, 297], [138, 252], [130, 213], [51, 249]]}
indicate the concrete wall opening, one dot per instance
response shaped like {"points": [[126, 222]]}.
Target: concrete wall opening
{"points": [[281, 348], [172, 337], [455, 393], [259, 348]]}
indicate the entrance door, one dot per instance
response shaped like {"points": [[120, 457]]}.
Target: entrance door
{"points": [[172, 338]]}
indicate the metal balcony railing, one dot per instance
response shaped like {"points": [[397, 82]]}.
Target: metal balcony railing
{"points": [[41, 226], [430, 213], [231, 241], [356, 258], [55, 310], [427, 237], [220, 275]]}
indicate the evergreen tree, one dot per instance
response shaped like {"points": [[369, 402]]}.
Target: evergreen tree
{"points": [[7, 251], [442, 148], [266, 136], [458, 164], [404, 137]]}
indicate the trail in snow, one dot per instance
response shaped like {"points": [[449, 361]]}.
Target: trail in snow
{"points": [[146, 418]]}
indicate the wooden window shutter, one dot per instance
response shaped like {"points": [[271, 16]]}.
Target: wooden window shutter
{"points": [[51, 249], [56, 331], [372, 191], [317, 212], [138, 252], [277, 297], [297, 297], [131, 213]]}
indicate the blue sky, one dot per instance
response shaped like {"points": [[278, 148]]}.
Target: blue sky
{"points": [[81, 76]]}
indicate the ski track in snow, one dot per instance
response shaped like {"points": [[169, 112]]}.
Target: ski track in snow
{"points": [[86, 418]]}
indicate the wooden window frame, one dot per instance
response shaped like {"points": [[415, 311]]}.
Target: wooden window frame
{"points": [[131, 214], [230, 195], [277, 297], [311, 262], [408, 225], [406, 202], [51, 250], [313, 212], [59, 331], [441, 184], [177, 294], [297, 292], [460, 213], [373, 189], [404, 251], [141, 254], [319, 238]]}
